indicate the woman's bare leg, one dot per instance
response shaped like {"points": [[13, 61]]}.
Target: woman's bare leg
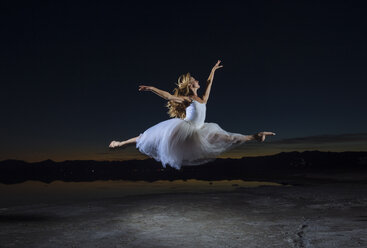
{"points": [[241, 138], [259, 136], [244, 138], [115, 144]]}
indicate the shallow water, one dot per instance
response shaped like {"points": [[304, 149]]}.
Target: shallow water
{"points": [[35, 192]]}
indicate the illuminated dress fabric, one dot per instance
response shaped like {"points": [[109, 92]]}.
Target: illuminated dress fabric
{"points": [[189, 141]]}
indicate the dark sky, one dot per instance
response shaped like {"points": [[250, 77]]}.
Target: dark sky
{"points": [[70, 73]]}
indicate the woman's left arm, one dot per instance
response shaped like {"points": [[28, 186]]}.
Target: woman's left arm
{"points": [[209, 82]]}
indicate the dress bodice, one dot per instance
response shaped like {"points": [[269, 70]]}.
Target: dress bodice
{"points": [[195, 113]]}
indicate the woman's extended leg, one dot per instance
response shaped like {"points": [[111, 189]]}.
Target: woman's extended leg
{"points": [[115, 144], [258, 136], [261, 136], [242, 138]]}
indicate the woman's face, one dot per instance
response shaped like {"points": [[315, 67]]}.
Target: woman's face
{"points": [[194, 83]]}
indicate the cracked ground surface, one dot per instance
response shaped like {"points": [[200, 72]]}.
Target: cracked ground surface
{"points": [[324, 215]]}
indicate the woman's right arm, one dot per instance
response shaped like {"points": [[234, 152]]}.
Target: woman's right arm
{"points": [[162, 93]]}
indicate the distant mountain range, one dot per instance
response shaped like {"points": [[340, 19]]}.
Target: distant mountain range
{"points": [[281, 165]]}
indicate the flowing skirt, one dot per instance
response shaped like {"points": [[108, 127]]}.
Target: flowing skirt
{"points": [[178, 142]]}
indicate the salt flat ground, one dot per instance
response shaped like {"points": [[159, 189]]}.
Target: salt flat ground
{"points": [[306, 215]]}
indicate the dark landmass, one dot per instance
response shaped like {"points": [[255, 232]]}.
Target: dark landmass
{"points": [[283, 165], [308, 213]]}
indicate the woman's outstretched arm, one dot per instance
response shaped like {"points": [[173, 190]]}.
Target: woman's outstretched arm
{"points": [[210, 81], [162, 93]]}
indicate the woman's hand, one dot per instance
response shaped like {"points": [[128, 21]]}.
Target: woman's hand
{"points": [[145, 88], [217, 66]]}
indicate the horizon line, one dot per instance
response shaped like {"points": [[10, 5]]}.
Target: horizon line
{"points": [[153, 159]]}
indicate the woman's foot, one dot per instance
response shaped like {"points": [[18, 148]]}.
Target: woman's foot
{"points": [[262, 135], [116, 144]]}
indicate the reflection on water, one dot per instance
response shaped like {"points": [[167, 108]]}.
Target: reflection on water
{"points": [[34, 192]]}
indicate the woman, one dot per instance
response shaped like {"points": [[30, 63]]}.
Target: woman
{"points": [[186, 139]]}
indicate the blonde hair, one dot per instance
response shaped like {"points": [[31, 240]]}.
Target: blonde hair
{"points": [[176, 109]]}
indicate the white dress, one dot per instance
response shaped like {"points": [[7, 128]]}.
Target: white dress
{"points": [[189, 141]]}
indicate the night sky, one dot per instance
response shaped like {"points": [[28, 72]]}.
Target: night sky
{"points": [[70, 73]]}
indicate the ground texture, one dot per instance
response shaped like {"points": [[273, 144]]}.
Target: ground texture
{"points": [[322, 215]]}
